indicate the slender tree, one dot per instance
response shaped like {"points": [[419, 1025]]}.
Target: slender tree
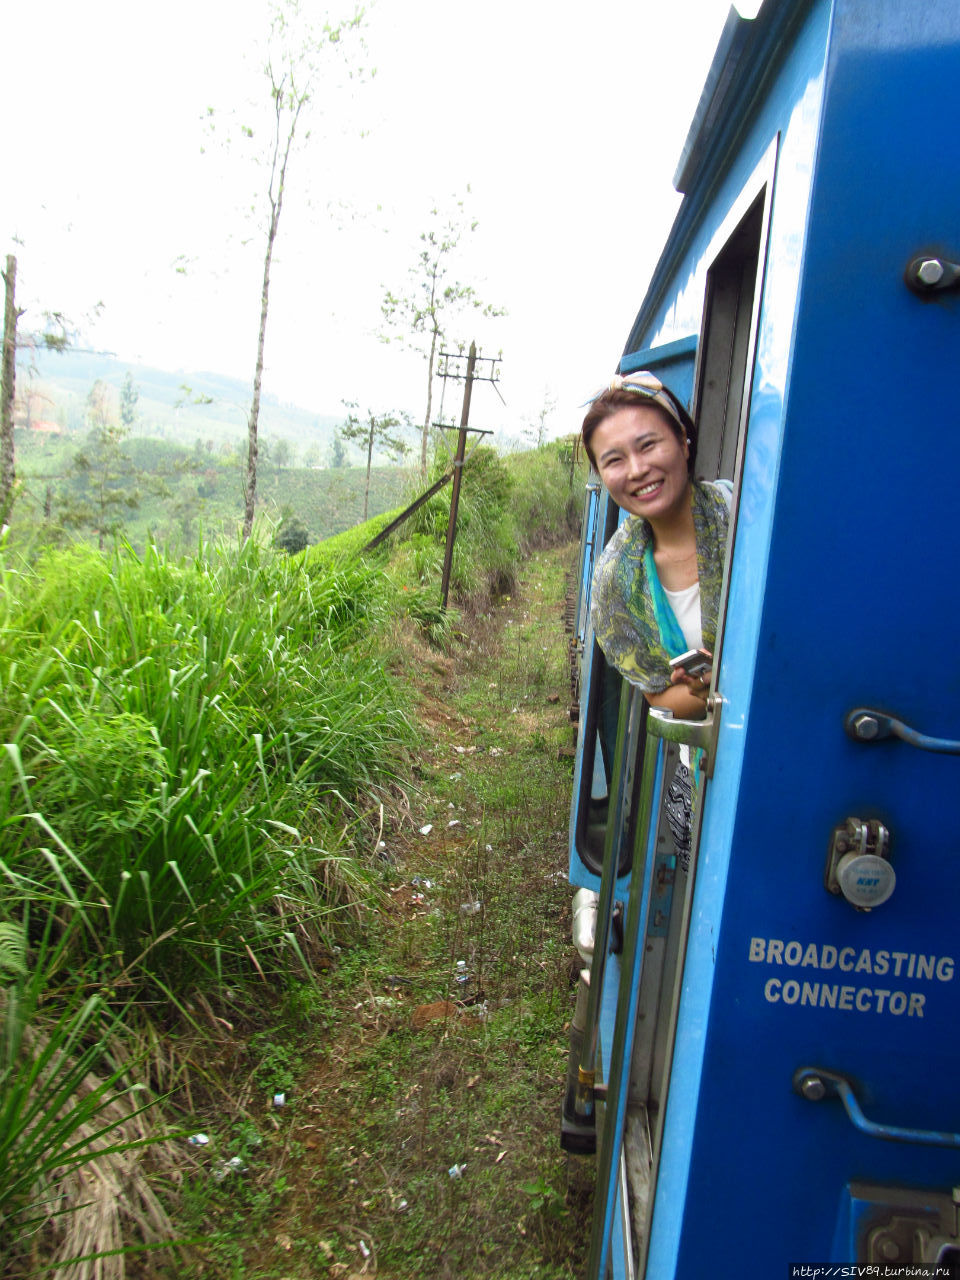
{"points": [[129, 396], [423, 313], [107, 481], [537, 427], [11, 315], [55, 337], [297, 67], [378, 430], [338, 450]]}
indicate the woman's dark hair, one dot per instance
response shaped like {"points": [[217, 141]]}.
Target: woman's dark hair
{"points": [[608, 402]]}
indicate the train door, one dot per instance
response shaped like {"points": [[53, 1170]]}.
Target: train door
{"points": [[813, 1117], [658, 910]]}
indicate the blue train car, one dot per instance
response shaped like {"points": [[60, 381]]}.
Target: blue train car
{"points": [[767, 1050]]}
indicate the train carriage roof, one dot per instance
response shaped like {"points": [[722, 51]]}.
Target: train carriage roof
{"points": [[745, 62]]}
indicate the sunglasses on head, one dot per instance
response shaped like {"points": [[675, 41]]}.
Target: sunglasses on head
{"points": [[643, 383], [648, 385]]}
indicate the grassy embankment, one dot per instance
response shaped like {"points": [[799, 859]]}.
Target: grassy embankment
{"points": [[216, 774]]}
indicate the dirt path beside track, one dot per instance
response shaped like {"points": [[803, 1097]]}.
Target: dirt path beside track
{"points": [[431, 1147]]}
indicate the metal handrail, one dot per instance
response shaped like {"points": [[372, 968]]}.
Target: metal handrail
{"points": [[815, 1084], [631, 708], [866, 725], [606, 1191], [661, 727], [701, 734]]}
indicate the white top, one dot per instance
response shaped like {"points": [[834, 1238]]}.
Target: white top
{"points": [[686, 606]]}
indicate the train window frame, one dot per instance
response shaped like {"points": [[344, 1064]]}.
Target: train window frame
{"points": [[676, 363], [725, 346], [751, 212], [755, 201], [588, 840]]}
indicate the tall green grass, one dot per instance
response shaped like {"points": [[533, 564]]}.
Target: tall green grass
{"points": [[547, 493], [181, 741], [179, 735], [74, 1122]]}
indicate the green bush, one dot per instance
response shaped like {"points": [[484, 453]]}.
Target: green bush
{"points": [[292, 536], [174, 731], [548, 493], [346, 546], [485, 550]]}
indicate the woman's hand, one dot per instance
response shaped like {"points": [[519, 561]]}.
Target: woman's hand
{"points": [[686, 696], [698, 686]]}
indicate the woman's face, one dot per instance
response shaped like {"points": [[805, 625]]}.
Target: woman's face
{"points": [[641, 461]]}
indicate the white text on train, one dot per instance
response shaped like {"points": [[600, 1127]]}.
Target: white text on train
{"points": [[898, 964], [834, 995]]}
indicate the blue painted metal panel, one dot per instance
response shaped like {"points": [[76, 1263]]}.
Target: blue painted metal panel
{"points": [[840, 596], [617, 1060], [845, 524], [791, 112], [762, 64], [673, 363]]}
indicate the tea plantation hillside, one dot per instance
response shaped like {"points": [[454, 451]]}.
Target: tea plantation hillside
{"points": [[146, 487]]}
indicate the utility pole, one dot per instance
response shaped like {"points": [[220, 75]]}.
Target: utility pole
{"points": [[471, 376]]}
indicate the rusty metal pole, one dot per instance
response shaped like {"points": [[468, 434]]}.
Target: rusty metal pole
{"points": [[457, 474]]}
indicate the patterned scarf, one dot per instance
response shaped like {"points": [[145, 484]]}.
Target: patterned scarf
{"points": [[632, 619], [671, 637]]}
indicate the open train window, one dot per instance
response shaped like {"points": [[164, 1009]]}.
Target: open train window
{"points": [[603, 687], [725, 346], [602, 684]]}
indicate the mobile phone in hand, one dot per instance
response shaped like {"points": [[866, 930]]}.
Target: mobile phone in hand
{"points": [[694, 662]]}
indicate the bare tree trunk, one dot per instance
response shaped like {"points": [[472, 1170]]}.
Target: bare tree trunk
{"points": [[8, 472], [250, 487], [366, 492], [101, 502], [425, 434], [434, 335], [276, 206]]}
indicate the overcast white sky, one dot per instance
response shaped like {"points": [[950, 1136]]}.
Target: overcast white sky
{"points": [[566, 120]]}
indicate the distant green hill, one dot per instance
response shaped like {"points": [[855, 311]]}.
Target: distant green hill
{"points": [[54, 387]]}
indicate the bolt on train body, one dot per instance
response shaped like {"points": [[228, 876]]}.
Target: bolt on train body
{"points": [[766, 1055]]}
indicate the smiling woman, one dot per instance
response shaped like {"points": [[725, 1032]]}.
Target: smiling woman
{"points": [[657, 585]]}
